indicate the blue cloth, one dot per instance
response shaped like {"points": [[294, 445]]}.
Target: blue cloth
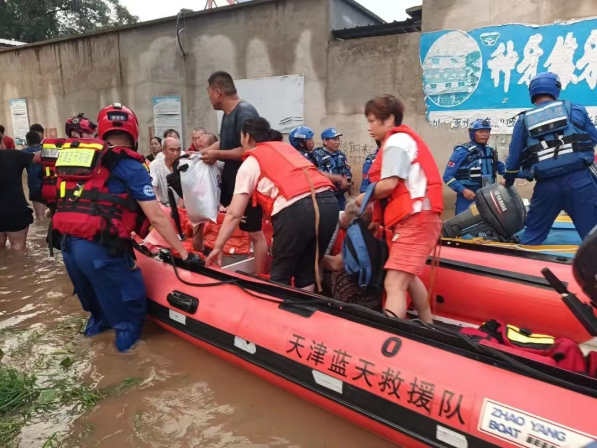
{"points": [[109, 286], [575, 193], [34, 170], [333, 163], [468, 166], [366, 167], [462, 204], [578, 115]]}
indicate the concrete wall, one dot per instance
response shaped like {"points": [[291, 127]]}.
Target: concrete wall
{"points": [[469, 14], [131, 65]]}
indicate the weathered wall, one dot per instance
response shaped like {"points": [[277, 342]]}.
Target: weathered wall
{"points": [[469, 14], [134, 64]]}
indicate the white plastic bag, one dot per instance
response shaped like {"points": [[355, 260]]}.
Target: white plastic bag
{"points": [[201, 189]]}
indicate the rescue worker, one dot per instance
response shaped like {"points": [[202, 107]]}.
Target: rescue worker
{"points": [[294, 193], [473, 165], [407, 176], [80, 127], [332, 162], [97, 255], [301, 138], [366, 167], [554, 143]]}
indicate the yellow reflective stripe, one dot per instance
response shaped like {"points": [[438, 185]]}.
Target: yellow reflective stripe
{"points": [[62, 189], [82, 145], [48, 171], [453, 180], [515, 335], [50, 146], [513, 172]]}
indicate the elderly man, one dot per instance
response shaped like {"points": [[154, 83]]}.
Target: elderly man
{"points": [[195, 136], [160, 168]]}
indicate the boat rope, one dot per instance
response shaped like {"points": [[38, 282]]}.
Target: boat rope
{"points": [[317, 218], [435, 259]]}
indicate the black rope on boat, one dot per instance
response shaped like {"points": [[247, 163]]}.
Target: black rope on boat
{"points": [[252, 294]]}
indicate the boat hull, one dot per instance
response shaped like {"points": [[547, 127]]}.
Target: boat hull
{"points": [[410, 390]]}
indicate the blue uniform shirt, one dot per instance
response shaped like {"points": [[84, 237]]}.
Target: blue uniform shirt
{"points": [[130, 176], [466, 157], [332, 162], [519, 138], [34, 170]]}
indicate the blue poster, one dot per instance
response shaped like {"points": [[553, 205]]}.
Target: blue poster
{"points": [[485, 72]]}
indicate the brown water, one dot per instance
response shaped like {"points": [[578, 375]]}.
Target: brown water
{"points": [[186, 397]]}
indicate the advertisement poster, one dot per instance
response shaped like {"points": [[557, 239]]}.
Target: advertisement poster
{"points": [[485, 72]]}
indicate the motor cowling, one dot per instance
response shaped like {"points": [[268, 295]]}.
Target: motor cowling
{"points": [[585, 266], [498, 212]]}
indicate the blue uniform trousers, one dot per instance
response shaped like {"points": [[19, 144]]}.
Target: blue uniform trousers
{"points": [[109, 287], [575, 193], [462, 203]]}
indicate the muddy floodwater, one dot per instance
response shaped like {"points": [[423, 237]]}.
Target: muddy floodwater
{"points": [[165, 393]]}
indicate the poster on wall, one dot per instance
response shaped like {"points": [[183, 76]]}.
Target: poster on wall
{"points": [[20, 119], [485, 72], [167, 114], [279, 99]]}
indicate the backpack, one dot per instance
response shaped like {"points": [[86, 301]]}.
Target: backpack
{"points": [[363, 254]]}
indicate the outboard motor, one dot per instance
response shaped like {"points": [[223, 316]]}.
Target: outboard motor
{"points": [[498, 213], [585, 266]]}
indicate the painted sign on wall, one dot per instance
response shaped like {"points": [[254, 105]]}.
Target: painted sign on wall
{"points": [[485, 72]]}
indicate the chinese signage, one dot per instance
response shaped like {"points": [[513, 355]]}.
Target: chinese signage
{"points": [[485, 72], [167, 114], [20, 119]]}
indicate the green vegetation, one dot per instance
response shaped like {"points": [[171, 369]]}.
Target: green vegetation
{"points": [[35, 20], [40, 376]]}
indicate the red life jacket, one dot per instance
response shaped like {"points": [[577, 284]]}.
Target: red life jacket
{"points": [[86, 209], [49, 154], [291, 173], [400, 204], [563, 351]]}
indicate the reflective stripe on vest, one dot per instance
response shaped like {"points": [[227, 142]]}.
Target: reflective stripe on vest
{"points": [[528, 340]]}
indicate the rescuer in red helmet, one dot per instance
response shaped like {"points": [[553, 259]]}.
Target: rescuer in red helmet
{"points": [[80, 127], [98, 208]]}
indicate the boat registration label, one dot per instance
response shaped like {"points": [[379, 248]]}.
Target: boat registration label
{"points": [[527, 430], [177, 317]]}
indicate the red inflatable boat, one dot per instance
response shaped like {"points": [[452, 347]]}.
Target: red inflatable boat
{"points": [[476, 282], [415, 385]]}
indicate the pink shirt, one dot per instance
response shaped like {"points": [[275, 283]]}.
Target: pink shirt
{"points": [[247, 180]]}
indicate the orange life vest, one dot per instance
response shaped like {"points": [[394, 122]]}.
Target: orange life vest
{"points": [[49, 154], [86, 209], [400, 204], [289, 171]]}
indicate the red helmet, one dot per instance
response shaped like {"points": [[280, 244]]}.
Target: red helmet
{"points": [[117, 117], [80, 124]]}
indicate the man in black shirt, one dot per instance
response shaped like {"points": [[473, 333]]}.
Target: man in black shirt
{"points": [[15, 214], [223, 96]]}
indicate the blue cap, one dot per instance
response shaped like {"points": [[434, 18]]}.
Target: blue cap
{"points": [[330, 133]]}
